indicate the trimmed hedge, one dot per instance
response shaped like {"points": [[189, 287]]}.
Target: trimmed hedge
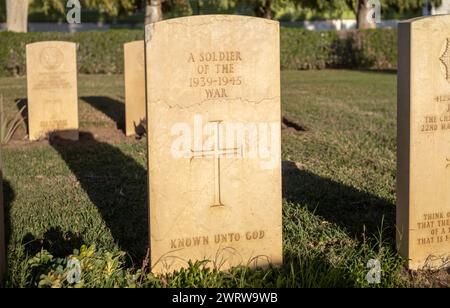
{"points": [[98, 52], [102, 52]]}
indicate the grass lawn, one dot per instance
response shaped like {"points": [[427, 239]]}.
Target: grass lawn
{"points": [[338, 183]]}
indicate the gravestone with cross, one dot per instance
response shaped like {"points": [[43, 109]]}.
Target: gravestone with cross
{"points": [[213, 85], [423, 162]]}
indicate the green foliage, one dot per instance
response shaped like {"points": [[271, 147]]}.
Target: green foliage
{"points": [[103, 269], [9, 125], [98, 52], [2, 10], [102, 52], [303, 49], [369, 49], [342, 5], [98, 268], [363, 49]]}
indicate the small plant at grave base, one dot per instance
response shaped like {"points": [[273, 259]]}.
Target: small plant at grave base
{"points": [[9, 125], [97, 268], [141, 129]]}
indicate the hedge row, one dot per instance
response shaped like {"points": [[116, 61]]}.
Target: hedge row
{"points": [[102, 52], [364, 49], [98, 52]]}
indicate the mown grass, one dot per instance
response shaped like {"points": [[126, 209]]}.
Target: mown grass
{"points": [[338, 200]]}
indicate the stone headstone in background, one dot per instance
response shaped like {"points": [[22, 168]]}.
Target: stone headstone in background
{"points": [[423, 162], [213, 85], [134, 57], [52, 90]]}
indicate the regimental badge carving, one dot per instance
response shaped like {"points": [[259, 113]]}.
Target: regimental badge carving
{"points": [[51, 58]]}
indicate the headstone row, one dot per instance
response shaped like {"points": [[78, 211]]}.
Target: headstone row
{"points": [[212, 90], [52, 89]]}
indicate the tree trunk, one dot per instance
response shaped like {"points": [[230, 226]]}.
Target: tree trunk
{"points": [[264, 10], [17, 15], [364, 18], [153, 11]]}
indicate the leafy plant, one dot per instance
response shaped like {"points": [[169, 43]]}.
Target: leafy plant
{"points": [[8, 126]]}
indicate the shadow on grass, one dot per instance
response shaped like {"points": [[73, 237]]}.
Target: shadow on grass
{"points": [[379, 71], [353, 210], [112, 108], [8, 195], [60, 244], [115, 183]]}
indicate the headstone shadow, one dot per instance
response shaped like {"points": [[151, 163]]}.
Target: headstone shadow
{"points": [[112, 108], [58, 243], [355, 211], [115, 183]]}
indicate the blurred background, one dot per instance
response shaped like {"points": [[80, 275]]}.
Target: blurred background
{"points": [[50, 15]]}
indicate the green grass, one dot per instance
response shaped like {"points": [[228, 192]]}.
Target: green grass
{"points": [[338, 205]]}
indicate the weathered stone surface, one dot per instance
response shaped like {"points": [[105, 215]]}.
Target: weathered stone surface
{"points": [[214, 141]]}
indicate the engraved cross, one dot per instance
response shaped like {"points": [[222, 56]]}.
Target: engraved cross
{"points": [[216, 153]]}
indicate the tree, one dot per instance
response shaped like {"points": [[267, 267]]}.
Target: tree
{"points": [[261, 8], [361, 7], [17, 15], [153, 11], [111, 7]]}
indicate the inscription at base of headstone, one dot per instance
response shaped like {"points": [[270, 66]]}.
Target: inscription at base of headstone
{"points": [[134, 57], [423, 162], [213, 85], [52, 90]]}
